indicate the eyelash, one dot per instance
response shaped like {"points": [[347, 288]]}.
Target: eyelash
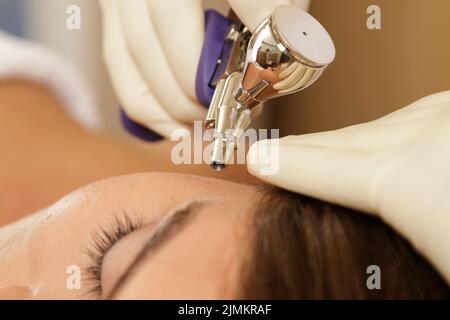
{"points": [[103, 240]]}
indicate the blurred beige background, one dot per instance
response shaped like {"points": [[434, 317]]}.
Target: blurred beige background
{"points": [[46, 23], [375, 72]]}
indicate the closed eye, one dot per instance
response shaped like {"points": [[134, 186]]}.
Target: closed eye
{"points": [[103, 240], [164, 232]]}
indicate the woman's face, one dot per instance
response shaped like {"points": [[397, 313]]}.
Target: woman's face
{"points": [[146, 236]]}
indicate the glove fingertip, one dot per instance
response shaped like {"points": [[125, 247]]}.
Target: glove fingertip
{"points": [[263, 158]]}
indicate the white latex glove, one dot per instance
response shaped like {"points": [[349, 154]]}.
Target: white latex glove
{"points": [[152, 50], [397, 167]]}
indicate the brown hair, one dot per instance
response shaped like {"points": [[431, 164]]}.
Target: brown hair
{"points": [[307, 249]]}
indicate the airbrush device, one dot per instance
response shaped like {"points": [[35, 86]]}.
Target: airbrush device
{"points": [[287, 52], [239, 69]]}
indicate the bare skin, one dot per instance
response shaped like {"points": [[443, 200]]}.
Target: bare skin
{"points": [[200, 258], [46, 155]]}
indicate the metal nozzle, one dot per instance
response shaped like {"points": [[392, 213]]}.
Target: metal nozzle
{"points": [[218, 166], [287, 53]]}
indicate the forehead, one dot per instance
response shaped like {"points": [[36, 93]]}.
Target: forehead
{"points": [[171, 184], [149, 193]]}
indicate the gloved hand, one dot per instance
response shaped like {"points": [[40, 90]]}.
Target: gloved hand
{"points": [[397, 167], [152, 50]]}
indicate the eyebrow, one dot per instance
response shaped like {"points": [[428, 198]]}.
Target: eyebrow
{"points": [[165, 231]]}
